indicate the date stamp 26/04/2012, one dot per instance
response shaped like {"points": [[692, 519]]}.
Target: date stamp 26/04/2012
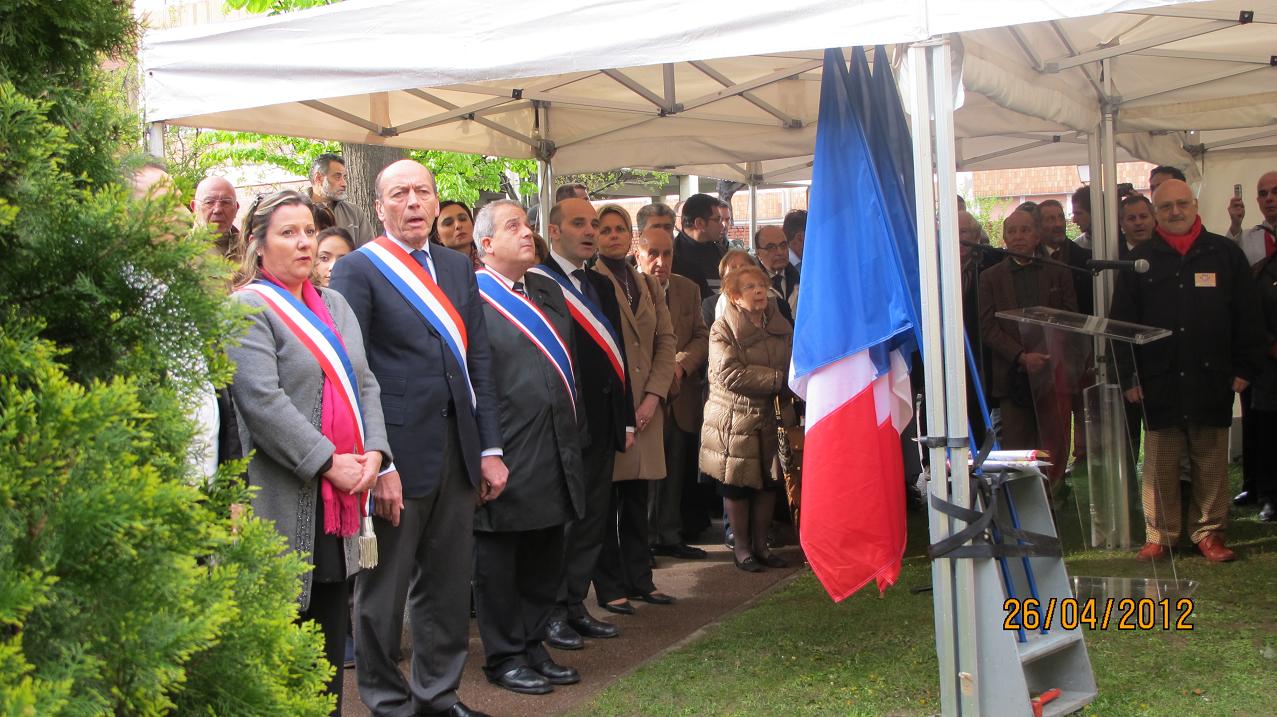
{"points": [[1108, 613]]}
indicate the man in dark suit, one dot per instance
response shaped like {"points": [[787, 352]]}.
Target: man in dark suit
{"points": [[673, 506], [445, 432], [518, 557], [772, 249], [1035, 404], [701, 244], [609, 414], [1051, 229]]}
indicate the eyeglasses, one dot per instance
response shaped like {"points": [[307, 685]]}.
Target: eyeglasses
{"points": [[221, 202], [773, 247]]}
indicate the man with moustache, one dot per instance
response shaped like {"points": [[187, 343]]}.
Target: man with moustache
{"points": [[518, 556], [328, 188], [1198, 287], [422, 319], [684, 403], [603, 378], [1021, 369]]}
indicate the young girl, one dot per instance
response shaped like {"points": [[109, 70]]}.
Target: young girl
{"points": [[334, 243]]}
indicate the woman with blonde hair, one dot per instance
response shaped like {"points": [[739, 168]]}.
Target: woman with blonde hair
{"points": [[624, 571], [310, 410], [749, 347]]}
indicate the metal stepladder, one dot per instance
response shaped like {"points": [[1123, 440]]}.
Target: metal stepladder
{"points": [[1031, 645]]}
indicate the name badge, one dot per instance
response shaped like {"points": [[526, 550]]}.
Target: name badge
{"points": [[1204, 280]]}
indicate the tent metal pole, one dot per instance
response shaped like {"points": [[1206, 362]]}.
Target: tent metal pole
{"points": [[953, 357], [155, 139], [545, 172], [1109, 249], [939, 525], [753, 212]]}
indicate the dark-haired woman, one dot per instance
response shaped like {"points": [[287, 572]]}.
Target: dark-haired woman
{"points": [[454, 228], [310, 409]]}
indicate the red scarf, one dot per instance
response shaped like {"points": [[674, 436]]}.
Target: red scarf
{"points": [[1182, 242], [341, 509]]}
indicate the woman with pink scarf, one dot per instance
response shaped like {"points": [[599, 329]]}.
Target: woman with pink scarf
{"points": [[309, 409]]}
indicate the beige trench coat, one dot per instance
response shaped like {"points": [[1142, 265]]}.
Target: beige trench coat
{"points": [[649, 349]]}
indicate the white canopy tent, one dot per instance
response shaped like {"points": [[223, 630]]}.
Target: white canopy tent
{"points": [[1194, 85]]}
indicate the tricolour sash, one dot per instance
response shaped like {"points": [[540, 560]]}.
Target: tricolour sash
{"points": [[590, 317], [330, 353], [322, 343], [419, 289], [531, 322]]}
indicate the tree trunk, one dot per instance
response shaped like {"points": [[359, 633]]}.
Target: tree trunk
{"points": [[363, 162]]}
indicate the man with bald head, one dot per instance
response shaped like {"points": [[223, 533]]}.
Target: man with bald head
{"points": [[608, 404], [1198, 287], [423, 326], [1035, 404], [670, 503], [215, 206], [771, 246], [1260, 241]]}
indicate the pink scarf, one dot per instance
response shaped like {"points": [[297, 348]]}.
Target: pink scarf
{"points": [[341, 509]]}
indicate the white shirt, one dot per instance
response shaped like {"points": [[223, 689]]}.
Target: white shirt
{"points": [[568, 267], [1252, 242], [795, 260]]}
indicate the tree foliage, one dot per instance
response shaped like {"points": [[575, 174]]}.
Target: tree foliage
{"points": [[123, 589]]}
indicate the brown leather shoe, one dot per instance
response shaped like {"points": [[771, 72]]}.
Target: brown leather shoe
{"points": [[1151, 552], [1212, 546]]}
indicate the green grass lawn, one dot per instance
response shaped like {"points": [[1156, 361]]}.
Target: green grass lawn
{"points": [[798, 653]]}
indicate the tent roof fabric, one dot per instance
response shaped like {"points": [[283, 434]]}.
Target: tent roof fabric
{"points": [[567, 84]]}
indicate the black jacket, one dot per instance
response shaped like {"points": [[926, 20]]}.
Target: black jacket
{"points": [[539, 424], [609, 405], [1083, 283], [1263, 391], [1207, 299]]}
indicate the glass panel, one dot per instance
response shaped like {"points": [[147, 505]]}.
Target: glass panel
{"points": [[1085, 324]]}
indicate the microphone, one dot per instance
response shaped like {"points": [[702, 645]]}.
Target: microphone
{"points": [[1139, 266]]}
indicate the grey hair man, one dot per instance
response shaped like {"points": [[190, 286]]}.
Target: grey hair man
{"points": [[215, 206], [328, 181]]}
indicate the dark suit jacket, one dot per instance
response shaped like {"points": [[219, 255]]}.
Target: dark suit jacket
{"points": [[422, 386], [691, 350], [1002, 336], [609, 407], [538, 423], [1083, 282]]}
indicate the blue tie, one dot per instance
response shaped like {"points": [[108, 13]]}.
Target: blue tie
{"points": [[587, 288], [423, 259]]}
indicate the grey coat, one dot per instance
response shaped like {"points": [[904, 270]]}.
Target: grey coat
{"points": [[278, 389]]}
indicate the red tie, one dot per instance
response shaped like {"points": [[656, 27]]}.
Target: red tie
{"points": [[1270, 245]]}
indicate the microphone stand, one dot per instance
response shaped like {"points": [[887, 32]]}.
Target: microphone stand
{"points": [[1030, 257]]}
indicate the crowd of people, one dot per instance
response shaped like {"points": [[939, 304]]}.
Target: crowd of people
{"points": [[1214, 293], [461, 417]]}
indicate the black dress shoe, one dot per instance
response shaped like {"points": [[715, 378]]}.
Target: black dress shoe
{"points": [[681, 551], [587, 626], [561, 636], [1268, 513], [1246, 497], [524, 680], [654, 598], [772, 560], [458, 710], [558, 674], [620, 608], [749, 565]]}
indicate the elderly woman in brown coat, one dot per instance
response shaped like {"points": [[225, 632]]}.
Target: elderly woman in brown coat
{"points": [[624, 572], [748, 362]]}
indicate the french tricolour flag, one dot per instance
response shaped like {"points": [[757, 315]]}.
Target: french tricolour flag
{"points": [[854, 332]]}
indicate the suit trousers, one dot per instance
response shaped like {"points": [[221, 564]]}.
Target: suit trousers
{"points": [[1045, 426], [426, 562], [665, 497], [1253, 442], [1207, 449], [516, 584], [1264, 423], [583, 539], [624, 568], [329, 609]]}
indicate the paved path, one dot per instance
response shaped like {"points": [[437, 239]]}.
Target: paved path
{"points": [[707, 590]]}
